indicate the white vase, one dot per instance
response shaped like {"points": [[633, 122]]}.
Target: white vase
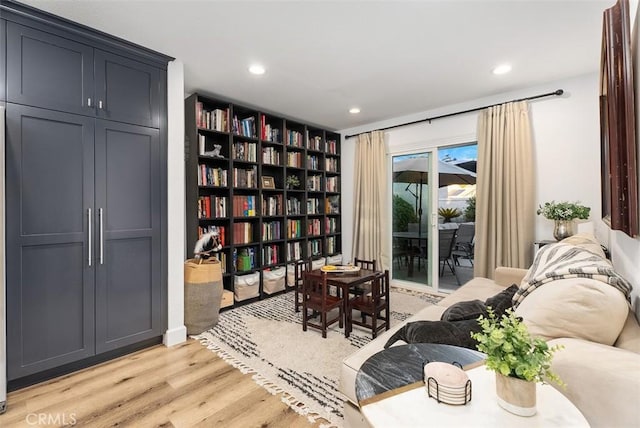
{"points": [[515, 395]]}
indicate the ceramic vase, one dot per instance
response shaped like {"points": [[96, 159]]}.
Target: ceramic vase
{"points": [[515, 395], [563, 229]]}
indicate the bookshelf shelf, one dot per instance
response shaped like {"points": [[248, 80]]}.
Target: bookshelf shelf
{"points": [[240, 161]]}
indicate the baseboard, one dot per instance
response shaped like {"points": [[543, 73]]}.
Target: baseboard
{"points": [[174, 336]]}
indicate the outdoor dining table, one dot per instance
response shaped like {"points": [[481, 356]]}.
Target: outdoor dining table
{"points": [[346, 281], [410, 237]]}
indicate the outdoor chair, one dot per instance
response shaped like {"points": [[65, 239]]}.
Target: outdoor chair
{"points": [[447, 240], [463, 248]]}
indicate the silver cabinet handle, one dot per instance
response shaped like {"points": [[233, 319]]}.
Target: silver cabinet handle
{"points": [[100, 104], [89, 219], [101, 236], [88, 102]]}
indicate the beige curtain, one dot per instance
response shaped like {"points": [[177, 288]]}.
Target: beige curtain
{"points": [[371, 208], [505, 189]]}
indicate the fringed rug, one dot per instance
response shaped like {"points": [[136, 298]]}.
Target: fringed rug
{"points": [[266, 338]]}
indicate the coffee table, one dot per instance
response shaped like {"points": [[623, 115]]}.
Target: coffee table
{"points": [[405, 403]]}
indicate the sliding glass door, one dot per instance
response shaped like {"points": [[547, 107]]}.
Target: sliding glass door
{"points": [[411, 195]]}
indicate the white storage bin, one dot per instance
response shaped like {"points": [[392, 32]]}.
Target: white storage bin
{"points": [[317, 264], [273, 280], [246, 286], [334, 260], [291, 273]]}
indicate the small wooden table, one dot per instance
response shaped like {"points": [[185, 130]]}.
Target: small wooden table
{"points": [[345, 281]]}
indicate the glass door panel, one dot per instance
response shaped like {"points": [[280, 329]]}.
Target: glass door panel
{"points": [[411, 195]]}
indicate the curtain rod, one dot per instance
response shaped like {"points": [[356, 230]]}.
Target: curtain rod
{"points": [[557, 92]]}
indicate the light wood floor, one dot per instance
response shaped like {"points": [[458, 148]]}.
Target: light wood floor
{"points": [[184, 386]]}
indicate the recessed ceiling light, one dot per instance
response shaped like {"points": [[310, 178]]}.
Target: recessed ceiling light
{"points": [[354, 110], [256, 69], [502, 69]]}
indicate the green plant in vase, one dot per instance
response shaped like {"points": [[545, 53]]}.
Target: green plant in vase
{"points": [[292, 182], [449, 213], [563, 214], [519, 360]]}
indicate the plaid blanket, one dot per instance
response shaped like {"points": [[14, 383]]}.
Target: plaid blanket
{"points": [[563, 261]]}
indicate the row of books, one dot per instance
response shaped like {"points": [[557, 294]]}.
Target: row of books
{"points": [[222, 258], [313, 162], [294, 138], [270, 255], [331, 225], [212, 206], [267, 132], [212, 176], [294, 206], [313, 227], [245, 259], [332, 147], [315, 247], [313, 206], [245, 151], [244, 206], [247, 178], [272, 205], [294, 229], [294, 159], [217, 119], [242, 233], [331, 245], [314, 143], [294, 251], [332, 184], [207, 229], [245, 127], [271, 156], [314, 183], [331, 164], [271, 231]]}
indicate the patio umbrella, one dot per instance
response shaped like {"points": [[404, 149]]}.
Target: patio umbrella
{"points": [[416, 170]]}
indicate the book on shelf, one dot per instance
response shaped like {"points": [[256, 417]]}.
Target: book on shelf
{"points": [[332, 147], [294, 159], [313, 227], [270, 255], [331, 225], [271, 156], [331, 245], [294, 251], [294, 206], [244, 127], [247, 178], [313, 206], [244, 151], [294, 229], [272, 205], [294, 138], [314, 183], [315, 247], [216, 119], [242, 233], [244, 206], [271, 231], [331, 164], [313, 162], [314, 143], [333, 205], [332, 184], [212, 176], [212, 206], [267, 132]]}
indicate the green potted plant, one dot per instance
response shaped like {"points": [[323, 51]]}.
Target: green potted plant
{"points": [[293, 182], [519, 360], [563, 213], [449, 213]]}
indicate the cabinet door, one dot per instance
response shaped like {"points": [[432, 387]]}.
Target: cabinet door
{"points": [[127, 90], [50, 282], [48, 71], [128, 179], [3, 60]]}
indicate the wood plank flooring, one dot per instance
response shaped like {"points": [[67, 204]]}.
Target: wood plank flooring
{"points": [[183, 386]]}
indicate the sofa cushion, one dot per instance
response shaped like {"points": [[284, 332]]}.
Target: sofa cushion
{"points": [[629, 337], [456, 333], [461, 311], [580, 308]]}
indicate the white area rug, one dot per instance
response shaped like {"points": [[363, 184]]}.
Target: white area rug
{"points": [[266, 338]]}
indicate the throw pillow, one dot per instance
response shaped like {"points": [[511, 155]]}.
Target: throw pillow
{"points": [[581, 308], [456, 333], [503, 300], [471, 309]]}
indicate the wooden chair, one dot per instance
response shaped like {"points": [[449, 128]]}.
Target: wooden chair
{"points": [[317, 299], [373, 305], [299, 267], [363, 264]]}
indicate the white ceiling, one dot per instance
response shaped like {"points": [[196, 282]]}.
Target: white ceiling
{"points": [[390, 58]]}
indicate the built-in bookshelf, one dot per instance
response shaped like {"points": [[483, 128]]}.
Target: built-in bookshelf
{"points": [[270, 186]]}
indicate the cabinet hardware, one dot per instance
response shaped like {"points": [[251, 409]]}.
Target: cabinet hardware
{"points": [[101, 236], [88, 102], [89, 222]]}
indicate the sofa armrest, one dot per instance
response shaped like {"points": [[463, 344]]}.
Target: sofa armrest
{"points": [[506, 276], [600, 381]]}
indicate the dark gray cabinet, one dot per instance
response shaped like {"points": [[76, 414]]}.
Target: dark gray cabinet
{"points": [[128, 177], [54, 72], [86, 143], [50, 282]]}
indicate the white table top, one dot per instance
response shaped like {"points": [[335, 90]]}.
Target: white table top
{"points": [[414, 408]]}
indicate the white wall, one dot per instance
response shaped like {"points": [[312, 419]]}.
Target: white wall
{"points": [[566, 148], [176, 331]]}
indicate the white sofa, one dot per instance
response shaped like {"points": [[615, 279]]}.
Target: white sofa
{"points": [[603, 380]]}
